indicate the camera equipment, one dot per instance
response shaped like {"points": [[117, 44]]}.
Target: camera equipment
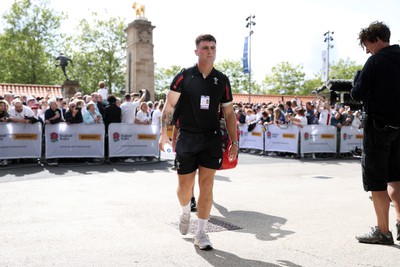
{"points": [[338, 91]]}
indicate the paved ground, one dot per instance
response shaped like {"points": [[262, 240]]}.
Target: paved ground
{"points": [[292, 213]]}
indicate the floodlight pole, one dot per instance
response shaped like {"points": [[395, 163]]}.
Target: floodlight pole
{"points": [[328, 40], [250, 23]]}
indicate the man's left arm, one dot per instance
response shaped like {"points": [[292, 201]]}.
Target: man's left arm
{"points": [[231, 127]]}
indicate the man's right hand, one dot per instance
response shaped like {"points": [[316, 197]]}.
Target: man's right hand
{"points": [[164, 139]]}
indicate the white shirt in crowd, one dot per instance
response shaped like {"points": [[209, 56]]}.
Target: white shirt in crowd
{"points": [[303, 119], [128, 110], [250, 118], [258, 116], [103, 92], [324, 117], [156, 119], [356, 122], [142, 116], [26, 112]]}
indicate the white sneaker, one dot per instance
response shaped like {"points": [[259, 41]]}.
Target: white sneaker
{"points": [[202, 241], [130, 160], [184, 222]]}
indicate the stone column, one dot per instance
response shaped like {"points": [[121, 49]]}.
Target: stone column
{"points": [[140, 57]]}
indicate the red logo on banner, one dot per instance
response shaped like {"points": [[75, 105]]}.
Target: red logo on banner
{"points": [[54, 137], [306, 136], [116, 137]]}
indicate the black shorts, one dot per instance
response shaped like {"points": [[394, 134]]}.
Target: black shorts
{"points": [[198, 149], [381, 156]]}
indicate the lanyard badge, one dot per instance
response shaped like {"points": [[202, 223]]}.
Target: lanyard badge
{"points": [[204, 102]]}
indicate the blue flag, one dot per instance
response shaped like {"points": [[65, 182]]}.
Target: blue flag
{"points": [[245, 55]]}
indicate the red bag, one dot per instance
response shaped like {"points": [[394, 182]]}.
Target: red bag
{"points": [[226, 143]]}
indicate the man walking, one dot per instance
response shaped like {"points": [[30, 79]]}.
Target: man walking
{"points": [[200, 90], [378, 86]]}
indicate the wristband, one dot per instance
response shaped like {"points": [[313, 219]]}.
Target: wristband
{"points": [[236, 143]]}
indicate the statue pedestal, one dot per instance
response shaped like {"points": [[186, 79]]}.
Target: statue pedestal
{"points": [[69, 88]]}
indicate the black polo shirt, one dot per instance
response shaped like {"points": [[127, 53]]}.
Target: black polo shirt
{"points": [[200, 98]]}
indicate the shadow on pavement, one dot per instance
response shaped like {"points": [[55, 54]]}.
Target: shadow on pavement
{"points": [[264, 227], [221, 258], [34, 172], [222, 178]]}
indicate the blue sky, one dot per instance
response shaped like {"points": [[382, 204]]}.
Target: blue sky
{"points": [[285, 30]]}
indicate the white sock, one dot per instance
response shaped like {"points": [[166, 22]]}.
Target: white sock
{"points": [[186, 209], [201, 225]]}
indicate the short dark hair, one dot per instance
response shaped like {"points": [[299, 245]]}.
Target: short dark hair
{"points": [[111, 99], [205, 37], [374, 31], [128, 97]]}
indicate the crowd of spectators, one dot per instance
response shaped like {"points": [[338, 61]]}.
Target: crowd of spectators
{"points": [[294, 112], [101, 107], [98, 107]]}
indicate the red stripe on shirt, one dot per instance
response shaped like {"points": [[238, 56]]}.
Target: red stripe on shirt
{"points": [[227, 92], [178, 81]]}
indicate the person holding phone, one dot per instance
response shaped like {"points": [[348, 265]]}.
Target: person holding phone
{"points": [[73, 114]]}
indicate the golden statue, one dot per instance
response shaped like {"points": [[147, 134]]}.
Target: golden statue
{"points": [[139, 9]]}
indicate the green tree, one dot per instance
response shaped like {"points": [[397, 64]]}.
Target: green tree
{"points": [[344, 69], [238, 79], [29, 38], [311, 85], [284, 78], [99, 52]]}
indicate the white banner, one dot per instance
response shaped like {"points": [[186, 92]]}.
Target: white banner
{"points": [[74, 140], [128, 140], [253, 139], [282, 140], [350, 138], [20, 140], [318, 139]]}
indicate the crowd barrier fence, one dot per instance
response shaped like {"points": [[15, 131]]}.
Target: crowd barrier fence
{"points": [[20, 140], [130, 140], [74, 140], [308, 139], [61, 140]]}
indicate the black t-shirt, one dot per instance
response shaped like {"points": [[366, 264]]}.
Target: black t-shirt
{"points": [[4, 114], [112, 114], [378, 85], [71, 119], [200, 98], [49, 113]]}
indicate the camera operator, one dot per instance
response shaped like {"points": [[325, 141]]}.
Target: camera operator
{"points": [[73, 114], [378, 86]]}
